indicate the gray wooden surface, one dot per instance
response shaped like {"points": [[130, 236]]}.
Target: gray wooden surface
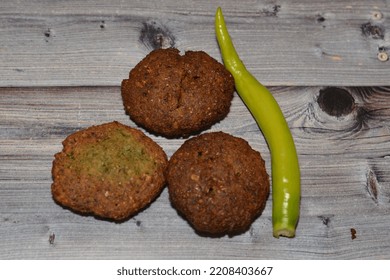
{"points": [[61, 64]]}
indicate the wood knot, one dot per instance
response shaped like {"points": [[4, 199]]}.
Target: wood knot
{"points": [[372, 185], [49, 34], [326, 219], [52, 236], [336, 101], [155, 35], [272, 11], [320, 19], [374, 31]]}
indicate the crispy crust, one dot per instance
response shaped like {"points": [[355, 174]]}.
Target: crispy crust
{"points": [[176, 96], [110, 171], [218, 183]]}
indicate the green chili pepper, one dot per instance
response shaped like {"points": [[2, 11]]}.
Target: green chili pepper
{"points": [[269, 117]]}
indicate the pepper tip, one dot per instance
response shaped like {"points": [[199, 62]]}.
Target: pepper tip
{"points": [[218, 12], [284, 233]]}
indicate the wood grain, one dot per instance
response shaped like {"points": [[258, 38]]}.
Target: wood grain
{"points": [[345, 181], [61, 64], [300, 42]]}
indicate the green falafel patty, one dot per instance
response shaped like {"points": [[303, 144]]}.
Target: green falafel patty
{"points": [[109, 170]]}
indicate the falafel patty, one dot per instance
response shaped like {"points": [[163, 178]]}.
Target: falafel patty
{"points": [[109, 170], [177, 95], [218, 183]]}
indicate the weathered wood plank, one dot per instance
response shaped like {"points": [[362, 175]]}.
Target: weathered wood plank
{"points": [[52, 43], [345, 180]]}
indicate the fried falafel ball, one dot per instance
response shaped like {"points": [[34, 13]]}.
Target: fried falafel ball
{"points": [[110, 171], [177, 95], [218, 183]]}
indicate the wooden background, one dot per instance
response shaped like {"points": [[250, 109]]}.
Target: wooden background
{"points": [[61, 65]]}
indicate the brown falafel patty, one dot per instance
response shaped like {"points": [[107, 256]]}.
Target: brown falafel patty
{"points": [[109, 170], [177, 95], [218, 183]]}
